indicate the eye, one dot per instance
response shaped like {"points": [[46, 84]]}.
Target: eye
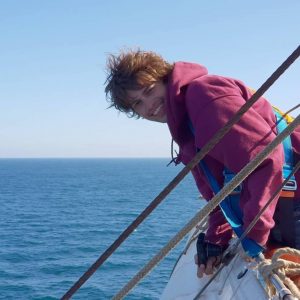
{"points": [[149, 90]]}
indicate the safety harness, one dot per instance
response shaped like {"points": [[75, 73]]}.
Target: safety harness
{"points": [[230, 205]]}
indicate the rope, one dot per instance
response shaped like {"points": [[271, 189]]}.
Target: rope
{"points": [[180, 176], [283, 268], [199, 228], [211, 205]]}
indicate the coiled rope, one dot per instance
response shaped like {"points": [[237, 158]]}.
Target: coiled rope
{"points": [[283, 268], [181, 175], [210, 206]]}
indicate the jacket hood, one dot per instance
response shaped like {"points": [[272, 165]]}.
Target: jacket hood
{"points": [[182, 75]]}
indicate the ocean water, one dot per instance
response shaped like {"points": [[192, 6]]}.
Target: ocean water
{"points": [[59, 215]]}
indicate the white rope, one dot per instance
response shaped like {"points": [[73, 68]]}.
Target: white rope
{"points": [[283, 268]]}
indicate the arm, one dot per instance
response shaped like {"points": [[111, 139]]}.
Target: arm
{"points": [[211, 104]]}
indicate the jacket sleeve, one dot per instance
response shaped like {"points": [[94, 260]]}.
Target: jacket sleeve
{"points": [[210, 106], [219, 231]]}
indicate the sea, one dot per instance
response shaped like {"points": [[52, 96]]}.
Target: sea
{"points": [[59, 215]]}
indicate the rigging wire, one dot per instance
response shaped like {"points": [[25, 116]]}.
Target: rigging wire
{"points": [[211, 205], [234, 247], [232, 250], [200, 155]]}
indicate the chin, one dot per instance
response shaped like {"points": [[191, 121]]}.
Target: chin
{"points": [[159, 120], [162, 119]]}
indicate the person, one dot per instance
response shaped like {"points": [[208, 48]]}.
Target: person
{"points": [[195, 105]]}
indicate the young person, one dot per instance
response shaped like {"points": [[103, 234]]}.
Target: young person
{"points": [[195, 105]]}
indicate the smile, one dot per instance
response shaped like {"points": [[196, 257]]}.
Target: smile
{"points": [[157, 110]]}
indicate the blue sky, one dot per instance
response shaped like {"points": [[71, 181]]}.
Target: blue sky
{"points": [[52, 62]]}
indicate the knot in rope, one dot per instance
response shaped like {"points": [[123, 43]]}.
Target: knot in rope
{"points": [[283, 268]]}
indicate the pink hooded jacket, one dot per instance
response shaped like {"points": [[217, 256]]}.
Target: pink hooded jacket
{"points": [[209, 101]]}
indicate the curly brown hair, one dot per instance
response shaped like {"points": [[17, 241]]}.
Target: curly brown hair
{"points": [[133, 70]]}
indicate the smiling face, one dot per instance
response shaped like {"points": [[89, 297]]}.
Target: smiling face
{"points": [[149, 103]]}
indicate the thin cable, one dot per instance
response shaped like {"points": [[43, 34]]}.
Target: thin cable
{"points": [[234, 247], [210, 206], [181, 175], [290, 110]]}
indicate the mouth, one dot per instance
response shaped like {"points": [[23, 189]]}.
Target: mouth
{"points": [[157, 110]]}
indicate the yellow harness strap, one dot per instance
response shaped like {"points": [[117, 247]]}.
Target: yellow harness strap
{"points": [[289, 119]]}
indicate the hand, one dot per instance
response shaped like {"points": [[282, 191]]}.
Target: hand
{"points": [[207, 268], [208, 256]]}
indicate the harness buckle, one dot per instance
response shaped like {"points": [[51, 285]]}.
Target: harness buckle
{"points": [[291, 185]]}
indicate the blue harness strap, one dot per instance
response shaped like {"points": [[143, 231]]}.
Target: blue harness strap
{"points": [[230, 205], [231, 210]]}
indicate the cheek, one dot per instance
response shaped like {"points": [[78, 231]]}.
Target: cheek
{"points": [[140, 110]]}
